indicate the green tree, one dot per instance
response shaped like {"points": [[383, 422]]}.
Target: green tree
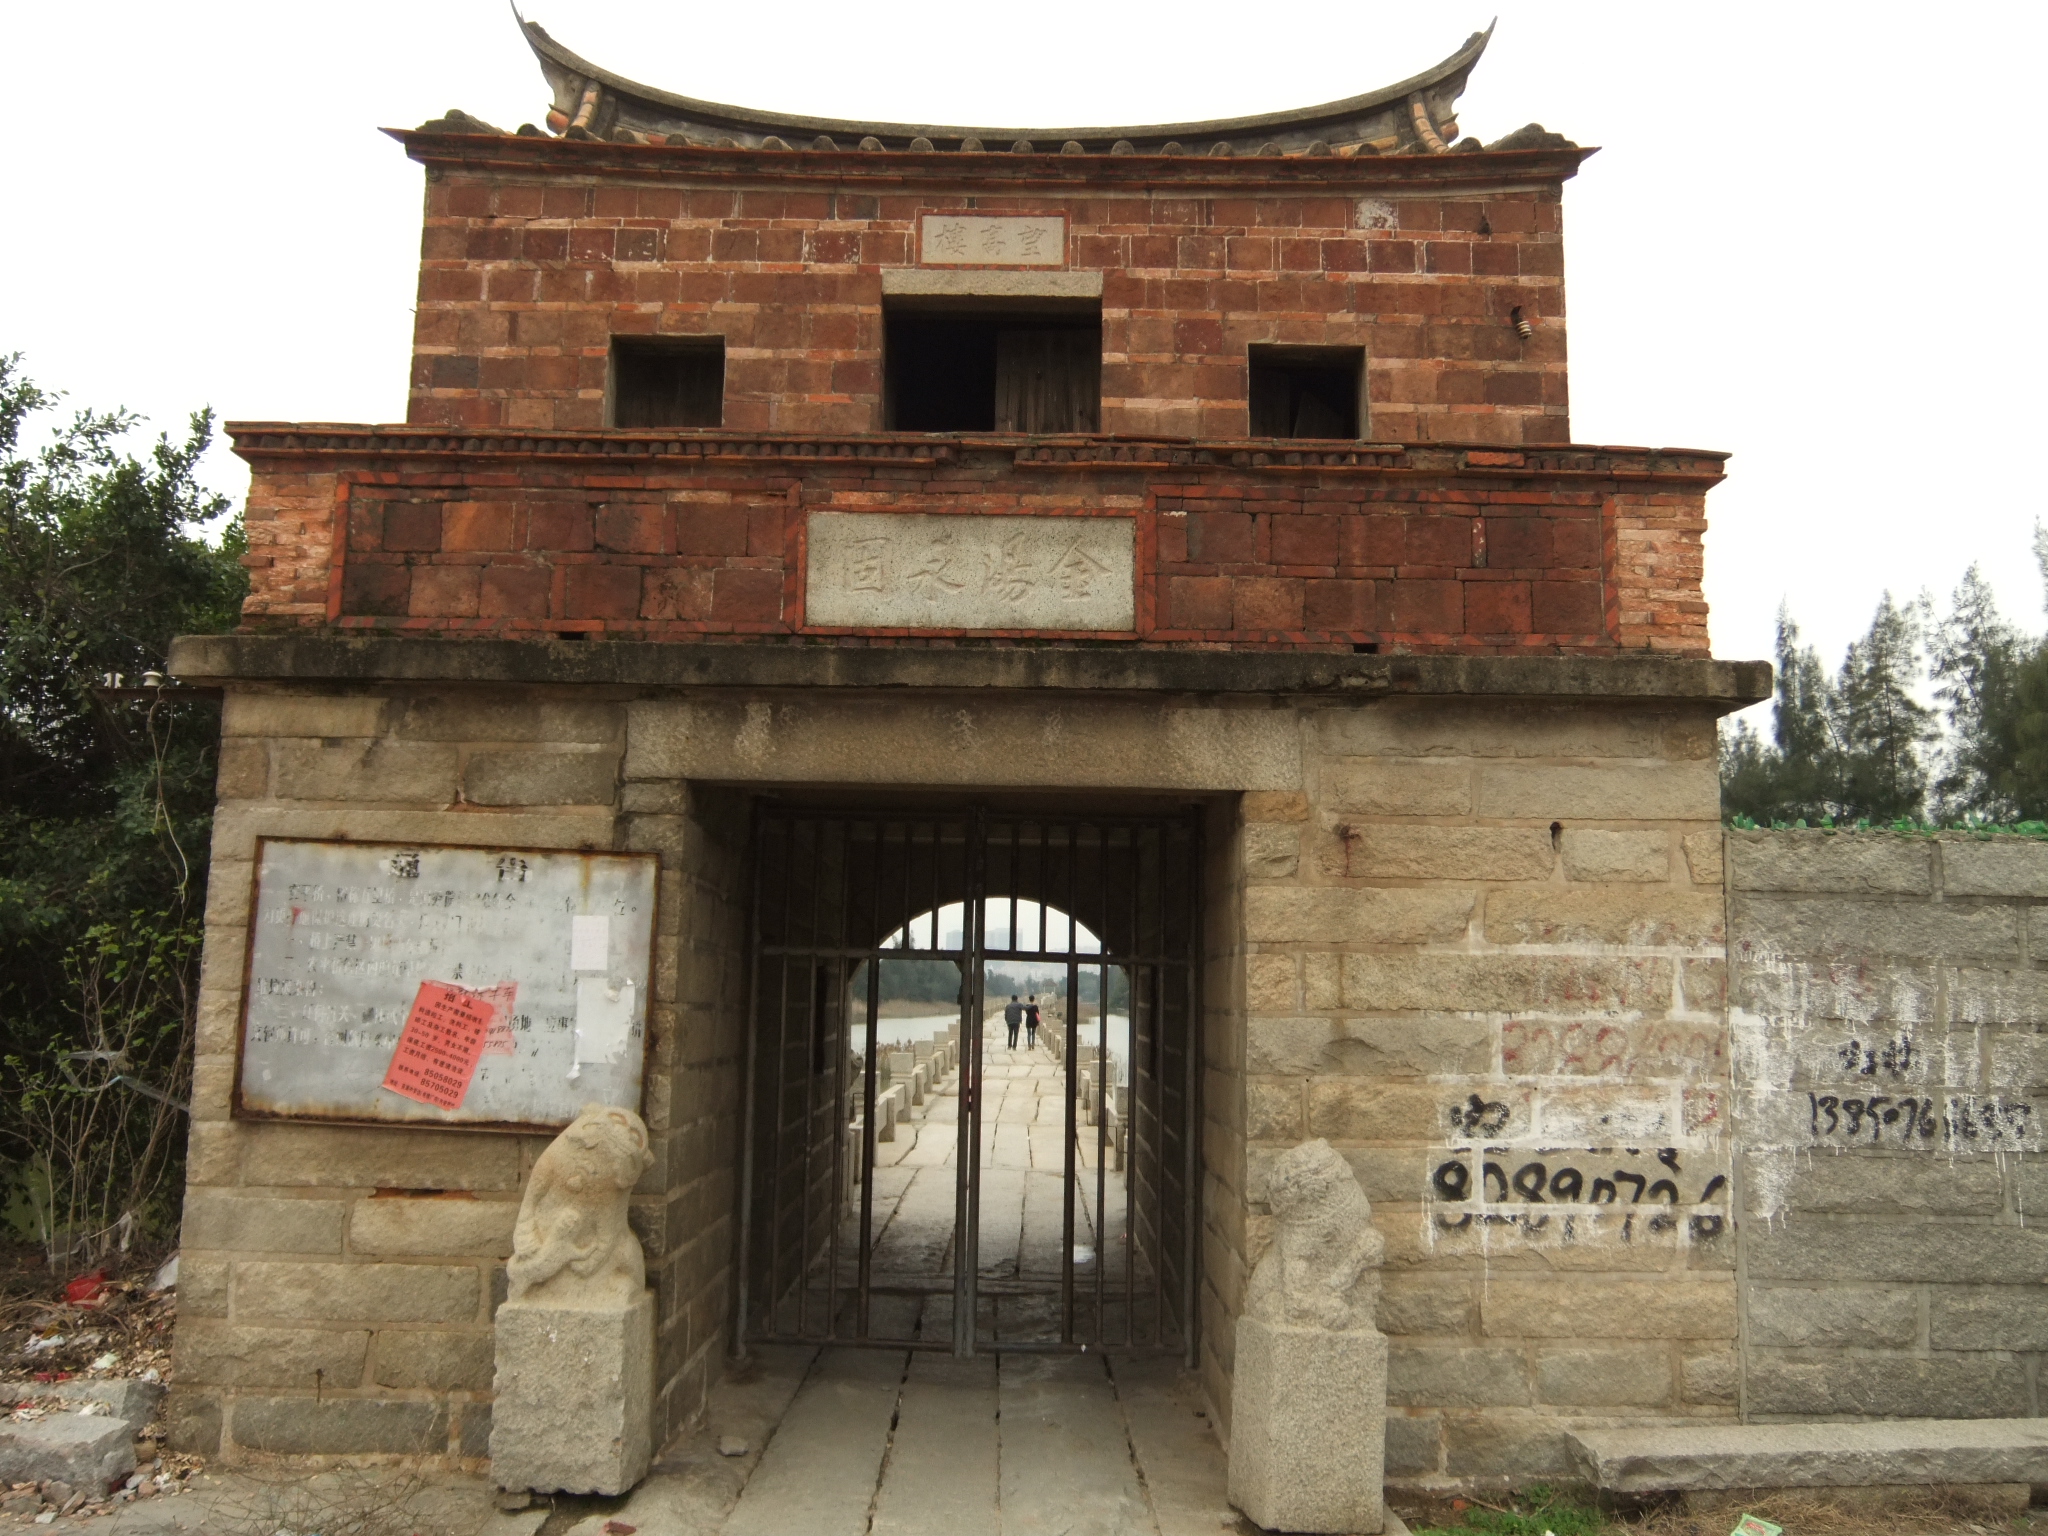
{"points": [[1881, 731], [105, 803], [1977, 657], [1844, 748]]}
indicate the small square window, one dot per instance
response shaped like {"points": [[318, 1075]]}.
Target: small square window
{"points": [[1306, 391], [659, 382], [993, 368]]}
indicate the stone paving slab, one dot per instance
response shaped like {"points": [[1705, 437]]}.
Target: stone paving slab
{"points": [[1067, 1468], [941, 1473], [1692, 1457], [819, 1471]]}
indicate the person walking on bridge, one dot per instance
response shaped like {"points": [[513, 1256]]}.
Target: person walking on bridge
{"points": [[1031, 1022], [1013, 1015]]}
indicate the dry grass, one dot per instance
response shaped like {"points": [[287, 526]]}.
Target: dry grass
{"points": [[1931, 1511], [371, 1501]]}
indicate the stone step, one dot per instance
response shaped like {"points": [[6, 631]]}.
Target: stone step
{"points": [[1697, 1457]]}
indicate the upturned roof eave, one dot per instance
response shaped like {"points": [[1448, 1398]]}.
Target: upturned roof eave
{"points": [[712, 114]]}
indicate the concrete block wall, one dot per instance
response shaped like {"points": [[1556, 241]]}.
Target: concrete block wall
{"points": [[338, 1282], [1888, 998], [1485, 960]]}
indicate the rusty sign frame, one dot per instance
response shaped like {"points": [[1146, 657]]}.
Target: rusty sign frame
{"points": [[241, 1109]]}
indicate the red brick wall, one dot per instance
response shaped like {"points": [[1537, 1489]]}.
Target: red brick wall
{"points": [[1424, 549], [536, 253]]}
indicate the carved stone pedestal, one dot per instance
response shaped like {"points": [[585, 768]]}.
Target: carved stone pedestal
{"points": [[1308, 1392], [575, 1396], [575, 1339], [1308, 1425]]}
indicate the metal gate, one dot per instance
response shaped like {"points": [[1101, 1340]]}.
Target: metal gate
{"points": [[1037, 1198]]}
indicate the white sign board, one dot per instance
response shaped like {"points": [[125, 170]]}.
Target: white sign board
{"points": [[924, 570], [955, 240], [444, 986]]}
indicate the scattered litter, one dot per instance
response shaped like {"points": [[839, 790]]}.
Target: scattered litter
{"points": [[86, 1290], [166, 1278], [1754, 1525], [619, 1528], [40, 1346], [106, 1362], [731, 1445]]}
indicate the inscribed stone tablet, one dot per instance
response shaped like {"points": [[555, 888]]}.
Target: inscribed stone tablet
{"points": [[917, 570], [956, 240]]}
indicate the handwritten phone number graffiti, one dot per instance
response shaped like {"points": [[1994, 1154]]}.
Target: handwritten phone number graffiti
{"points": [[1914, 1121]]}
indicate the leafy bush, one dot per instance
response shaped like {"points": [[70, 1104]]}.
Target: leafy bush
{"points": [[105, 811]]}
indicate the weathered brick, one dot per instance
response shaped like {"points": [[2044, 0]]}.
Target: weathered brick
{"points": [[1703, 859], [1580, 1308], [432, 1228], [1411, 1047], [1362, 1109], [1677, 790], [1710, 1377], [1992, 1317], [1414, 1444], [1613, 1377], [1272, 851], [1455, 1376], [1338, 915], [349, 1293], [254, 1224], [2000, 866], [1594, 854], [1834, 1317], [1956, 1253], [1446, 853], [1972, 1386], [1861, 863], [1514, 1445], [436, 1362], [541, 778], [220, 1354], [1504, 983], [1576, 915], [1379, 788], [339, 1426], [1269, 983], [1419, 1305], [364, 771], [1835, 926], [365, 1157], [1871, 1183]]}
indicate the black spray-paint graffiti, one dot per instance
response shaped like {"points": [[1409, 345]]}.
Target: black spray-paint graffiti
{"points": [[1893, 1058], [1479, 1117], [1511, 1186], [1917, 1121], [1547, 1179]]}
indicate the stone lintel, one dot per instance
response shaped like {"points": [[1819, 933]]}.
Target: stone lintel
{"points": [[1637, 679], [1658, 1458], [976, 283]]}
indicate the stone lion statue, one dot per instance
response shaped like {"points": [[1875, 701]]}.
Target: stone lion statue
{"points": [[1322, 1270], [571, 1244]]}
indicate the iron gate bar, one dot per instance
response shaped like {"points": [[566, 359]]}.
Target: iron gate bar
{"points": [[974, 845]]}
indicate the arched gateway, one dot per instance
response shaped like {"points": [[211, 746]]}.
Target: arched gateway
{"points": [[801, 527]]}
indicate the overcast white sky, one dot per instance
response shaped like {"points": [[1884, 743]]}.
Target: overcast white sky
{"points": [[1812, 236]]}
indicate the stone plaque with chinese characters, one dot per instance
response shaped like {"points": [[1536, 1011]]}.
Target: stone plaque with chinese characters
{"points": [[919, 570], [964, 240]]}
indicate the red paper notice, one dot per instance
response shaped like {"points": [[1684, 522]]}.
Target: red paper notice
{"points": [[439, 1046]]}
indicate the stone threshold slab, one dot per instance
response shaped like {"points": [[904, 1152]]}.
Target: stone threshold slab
{"points": [[1694, 1457], [1114, 667]]}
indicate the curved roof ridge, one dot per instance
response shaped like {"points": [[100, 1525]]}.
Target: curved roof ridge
{"points": [[1413, 115]]}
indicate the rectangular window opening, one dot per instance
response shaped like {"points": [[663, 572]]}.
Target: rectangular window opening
{"points": [[668, 382], [1001, 368], [1307, 391]]}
